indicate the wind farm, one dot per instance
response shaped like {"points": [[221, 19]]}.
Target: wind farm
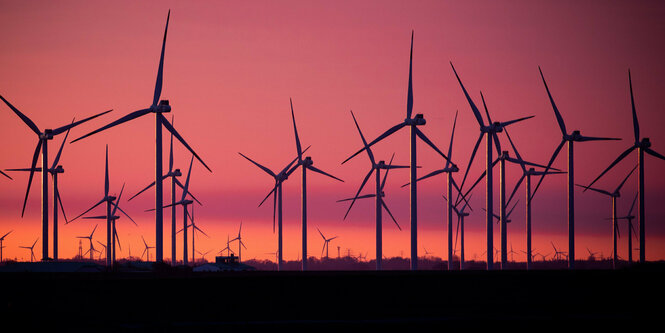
{"points": [[226, 75]]}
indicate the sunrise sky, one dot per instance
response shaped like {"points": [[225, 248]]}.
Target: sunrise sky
{"points": [[231, 67]]}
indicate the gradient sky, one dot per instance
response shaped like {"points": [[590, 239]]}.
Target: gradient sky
{"points": [[230, 69]]}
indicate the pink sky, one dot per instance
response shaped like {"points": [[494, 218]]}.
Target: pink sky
{"points": [[230, 69]]}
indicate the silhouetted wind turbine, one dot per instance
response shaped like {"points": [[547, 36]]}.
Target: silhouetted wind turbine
{"points": [[412, 123], [203, 255], [490, 132], [2, 239], [461, 214], [158, 108], [526, 174], [195, 228], [42, 144], [631, 229], [307, 163], [557, 254], [613, 197], [146, 250], [570, 139], [57, 201], [109, 202], [100, 252], [378, 195], [326, 241], [31, 248], [276, 192], [642, 145], [240, 243], [113, 218], [173, 174], [448, 169], [184, 202], [89, 238], [227, 248]]}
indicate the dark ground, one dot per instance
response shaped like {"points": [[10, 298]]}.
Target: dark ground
{"points": [[182, 301]]}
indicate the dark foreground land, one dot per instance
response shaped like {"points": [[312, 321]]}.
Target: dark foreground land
{"points": [[180, 301]]}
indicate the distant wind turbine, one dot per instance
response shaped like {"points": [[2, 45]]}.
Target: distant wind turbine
{"points": [[326, 241], [613, 197], [631, 228], [31, 248], [2, 239], [89, 238], [240, 243], [146, 250]]}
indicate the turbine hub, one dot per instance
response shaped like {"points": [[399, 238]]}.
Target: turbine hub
{"points": [[163, 106], [47, 134], [646, 143], [177, 173]]}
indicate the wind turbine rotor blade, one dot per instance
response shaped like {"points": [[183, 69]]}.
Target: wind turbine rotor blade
{"points": [[617, 160], [62, 208], [452, 136], [431, 174], [274, 189], [510, 122], [497, 143], [129, 217], [381, 137], [591, 138], [171, 148], [360, 197], [523, 162], [23, 117], [74, 124], [595, 189], [358, 192], [171, 129], [201, 231], [189, 173], [369, 151], [124, 119], [625, 179], [91, 208], [268, 171], [383, 203], [654, 153], [517, 185], [313, 168], [160, 70], [6, 175], [468, 168], [144, 189], [117, 238], [630, 212], [62, 145], [35, 156], [320, 233], [559, 119], [409, 97], [636, 124], [474, 108], [517, 154], [295, 130], [511, 210], [106, 173], [549, 164], [422, 136], [117, 200]]}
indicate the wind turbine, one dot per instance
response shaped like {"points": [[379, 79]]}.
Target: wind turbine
{"points": [[146, 250], [461, 214], [195, 228], [557, 254], [526, 174], [42, 143], [307, 163], [54, 171], [643, 146], [613, 197], [240, 243], [412, 123], [184, 202], [631, 229], [89, 238], [203, 255], [570, 139], [490, 132], [158, 108], [173, 174], [227, 248], [379, 194], [108, 199], [100, 252], [592, 255], [31, 248], [2, 239], [326, 241], [276, 192], [113, 218]]}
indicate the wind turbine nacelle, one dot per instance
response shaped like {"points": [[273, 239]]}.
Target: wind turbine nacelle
{"points": [[163, 106], [497, 127], [418, 120], [177, 173], [308, 161], [48, 134], [646, 143], [59, 169]]}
